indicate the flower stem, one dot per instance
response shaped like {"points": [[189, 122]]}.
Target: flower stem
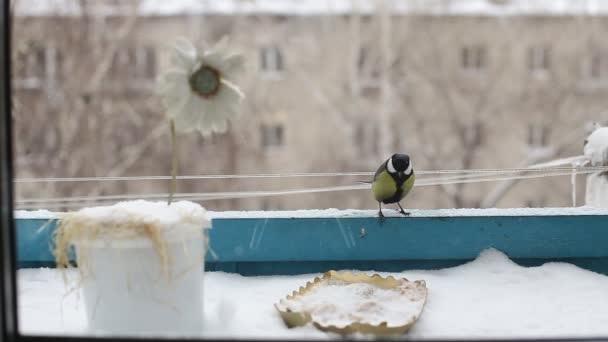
{"points": [[172, 185]]}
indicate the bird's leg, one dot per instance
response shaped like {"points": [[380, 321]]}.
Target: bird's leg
{"points": [[405, 213], [380, 214]]}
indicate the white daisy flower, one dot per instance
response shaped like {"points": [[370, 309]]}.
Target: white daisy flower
{"points": [[197, 90]]}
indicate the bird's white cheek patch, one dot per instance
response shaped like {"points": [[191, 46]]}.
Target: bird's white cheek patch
{"points": [[408, 171], [390, 167]]}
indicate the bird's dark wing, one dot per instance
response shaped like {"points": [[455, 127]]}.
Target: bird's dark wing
{"points": [[380, 169]]}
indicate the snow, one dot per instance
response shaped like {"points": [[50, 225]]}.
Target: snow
{"points": [[490, 297], [596, 151], [596, 194], [320, 7], [574, 160], [596, 148], [356, 213], [336, 303], [150, 212], [147, 211], [35, 214]]}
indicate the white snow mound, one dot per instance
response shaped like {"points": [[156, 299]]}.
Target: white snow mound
{"points": [[491, 297], [596, 147]]}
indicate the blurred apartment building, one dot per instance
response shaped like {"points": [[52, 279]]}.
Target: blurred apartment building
{"points": [[330, 86]]}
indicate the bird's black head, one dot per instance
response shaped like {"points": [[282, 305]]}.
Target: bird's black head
{"points": [[399, 163]]}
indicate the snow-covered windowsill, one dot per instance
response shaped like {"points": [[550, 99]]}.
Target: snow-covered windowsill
{"points": [[356, 213], [491, 273], [490, 297]]}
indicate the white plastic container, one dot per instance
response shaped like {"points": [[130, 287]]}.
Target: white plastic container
{"points": [[129, 293], [128, 288]]}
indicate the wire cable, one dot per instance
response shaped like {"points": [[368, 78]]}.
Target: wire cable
{"points": [[298, 175], [68, 202]]}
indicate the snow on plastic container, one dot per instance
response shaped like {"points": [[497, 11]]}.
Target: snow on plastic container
{"points": [[141, 266]]}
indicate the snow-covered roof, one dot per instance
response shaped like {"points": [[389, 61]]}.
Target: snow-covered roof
{"points": [[316, 7]]}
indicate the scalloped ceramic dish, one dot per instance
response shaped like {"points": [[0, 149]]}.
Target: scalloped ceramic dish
{"points": [[346, 303]]}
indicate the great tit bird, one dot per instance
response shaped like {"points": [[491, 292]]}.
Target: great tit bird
{"points": [[392, 181]]}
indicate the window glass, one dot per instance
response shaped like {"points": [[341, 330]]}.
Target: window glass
{"points": [[283, 119]]}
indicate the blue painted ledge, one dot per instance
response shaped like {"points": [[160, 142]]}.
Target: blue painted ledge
{"points": [[257, 243]]}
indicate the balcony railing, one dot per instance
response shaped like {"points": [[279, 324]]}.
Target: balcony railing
{"points": [[261, 243]]}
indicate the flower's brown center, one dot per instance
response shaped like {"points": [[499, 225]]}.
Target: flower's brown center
{"points": [[205, 81]]}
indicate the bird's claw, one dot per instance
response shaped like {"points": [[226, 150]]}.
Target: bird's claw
{"points": [[405, 213]]}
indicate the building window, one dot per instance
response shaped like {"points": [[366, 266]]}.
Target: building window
{"points": [[597, 67], [366, 138], [120, 64], [362, 59], [538, 135], [368, 64], [539, 59], [474, 134], [271, 59], [31, 64], [473, 57], [272, 135], [145, 63], [134, 63], [368, 70]]}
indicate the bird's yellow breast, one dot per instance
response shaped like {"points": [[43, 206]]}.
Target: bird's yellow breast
{"points": [[384, 186]]}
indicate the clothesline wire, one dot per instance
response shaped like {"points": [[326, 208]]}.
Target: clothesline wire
{"points": [[577, 169], [69, 202]]}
